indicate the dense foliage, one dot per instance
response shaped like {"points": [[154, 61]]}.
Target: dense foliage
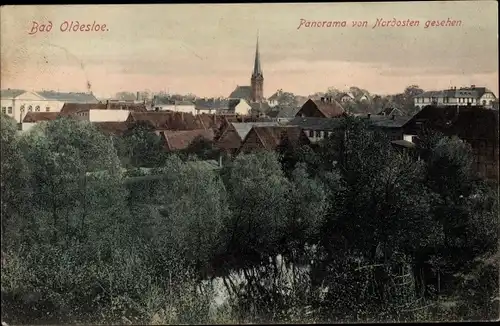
{"points": [[349, 230]]}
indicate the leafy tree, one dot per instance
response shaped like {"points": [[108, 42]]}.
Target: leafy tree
{"points": [[141, 146], [203, 148], [14, 193], [257, 191], [64, 156]]}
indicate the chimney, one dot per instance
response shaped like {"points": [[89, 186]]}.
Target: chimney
{"points": [[393, 117]]}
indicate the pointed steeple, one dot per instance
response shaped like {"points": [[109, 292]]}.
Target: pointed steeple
{"points": [[257, 70]]}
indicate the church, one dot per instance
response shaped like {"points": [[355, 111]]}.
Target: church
{"points": [[253, 94]]}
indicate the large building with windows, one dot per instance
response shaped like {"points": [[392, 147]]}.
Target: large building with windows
{"points": [[470, 96], [16, 103]]}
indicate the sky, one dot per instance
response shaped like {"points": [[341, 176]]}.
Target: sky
{"points": [[208, 50]]}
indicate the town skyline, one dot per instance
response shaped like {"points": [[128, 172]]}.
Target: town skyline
{"points": [[165, 51]]}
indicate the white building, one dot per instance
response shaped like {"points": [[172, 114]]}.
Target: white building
{"points": [[98, 115], [17, 103], [161, 103], [472, 96]]}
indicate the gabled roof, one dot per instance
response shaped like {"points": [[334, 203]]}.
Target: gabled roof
{"points": [[40, 116], [244, 128], [324, 124], [68, 97], [167, 120], [177, 140], [72, 108], [271, 136], [11, 93], [329, 109], [244, 92], [112, 127]]}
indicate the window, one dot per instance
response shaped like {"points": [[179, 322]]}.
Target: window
{"points": [[9, 110], [318, 134], [37, 109], [484, 102], [23, 107], [4, 109], [311, 133], [30, 108]]}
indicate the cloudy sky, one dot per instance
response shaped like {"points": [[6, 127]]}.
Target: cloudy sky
{"points": [[209, 49]]}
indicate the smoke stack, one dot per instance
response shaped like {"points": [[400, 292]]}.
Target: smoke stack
{"points": [[137, 96]]}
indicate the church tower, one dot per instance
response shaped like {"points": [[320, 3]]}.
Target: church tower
{"points": [[257, 80]]}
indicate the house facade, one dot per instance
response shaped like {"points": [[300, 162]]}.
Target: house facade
{"points": [[344, 98], [465, 96], [17, 103], [316, 129]]}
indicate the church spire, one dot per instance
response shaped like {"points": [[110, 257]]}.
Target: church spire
{"points": [[257, 70]]}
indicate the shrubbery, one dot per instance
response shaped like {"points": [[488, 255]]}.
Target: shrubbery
{"points": [[351, 230]]}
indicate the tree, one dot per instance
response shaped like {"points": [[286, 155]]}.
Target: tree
{"points": [[287, 99], [74, 169], [140, 146], [14, 193], [203, 148], [257, 191]]}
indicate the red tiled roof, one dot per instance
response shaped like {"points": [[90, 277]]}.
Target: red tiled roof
{"points": [[167, 120], [271, 136], [40, 116], [177, 140], [112, 128], [330, 109]]}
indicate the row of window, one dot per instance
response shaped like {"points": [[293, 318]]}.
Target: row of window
{"points": [[7, 110], [23, 108], [37, 108], [319, 133]]}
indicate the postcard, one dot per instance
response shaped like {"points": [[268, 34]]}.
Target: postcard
{"points": [[249, 163]]}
